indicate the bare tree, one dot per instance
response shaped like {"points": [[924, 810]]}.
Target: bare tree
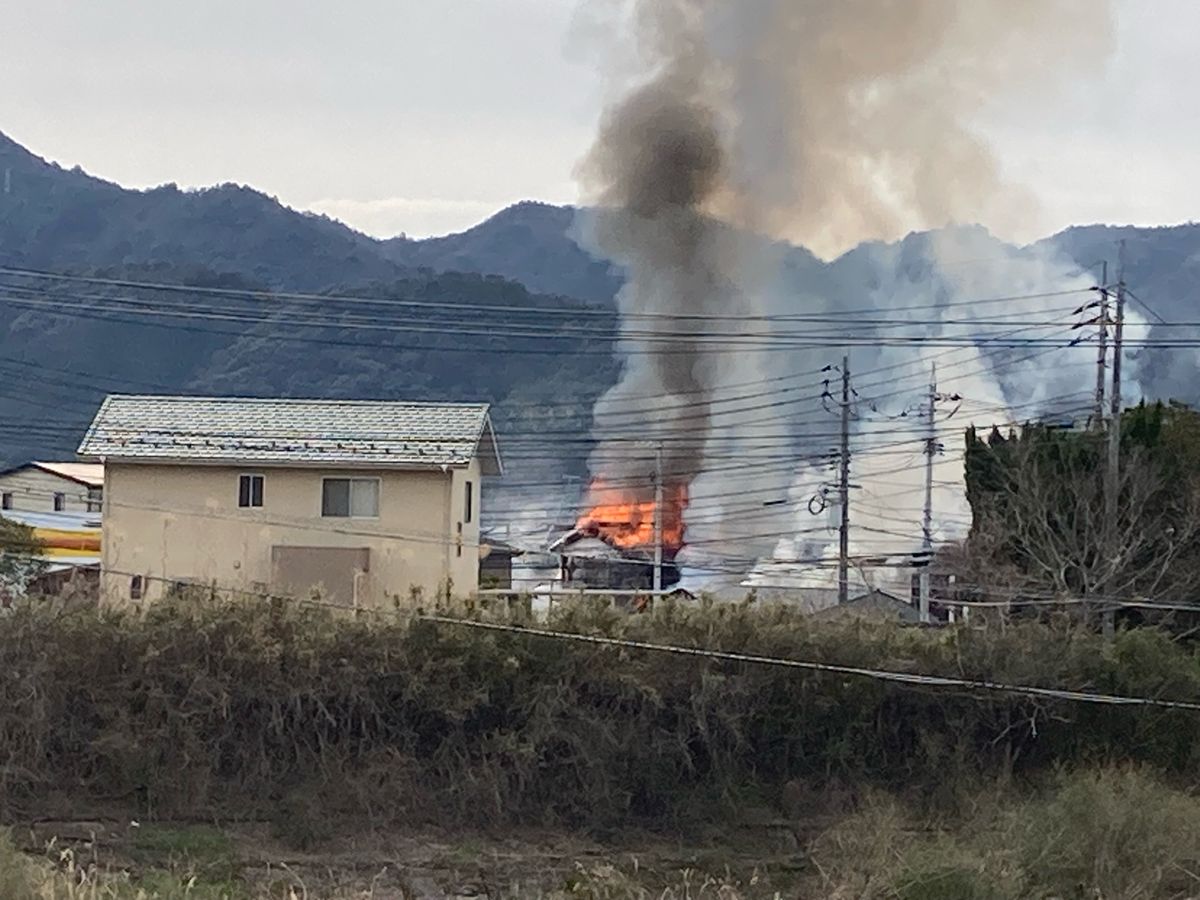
{"points": [[20, 561], [1042, 528]]}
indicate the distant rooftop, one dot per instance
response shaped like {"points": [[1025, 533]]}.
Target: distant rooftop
{"points": [[375, 433], [89, 474]]}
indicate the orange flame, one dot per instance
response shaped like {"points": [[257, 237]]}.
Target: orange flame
{"points": [[626, 520]]}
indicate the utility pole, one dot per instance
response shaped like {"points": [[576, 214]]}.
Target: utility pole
{"points": [[1113, 472], [927, 520], [1103, 351], [658, 518], [844, 490]]}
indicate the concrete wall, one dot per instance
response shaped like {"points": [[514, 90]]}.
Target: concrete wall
{"points": [[33, 490], [182, 523]]}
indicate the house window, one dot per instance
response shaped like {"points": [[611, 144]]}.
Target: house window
{"points": [[60, 502], [95, 499], [250, 491], [469, 502], [350, 498], [6, 500], [136, 587]]}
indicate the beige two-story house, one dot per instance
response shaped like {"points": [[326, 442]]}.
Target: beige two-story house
{"points": [[351, 502]]}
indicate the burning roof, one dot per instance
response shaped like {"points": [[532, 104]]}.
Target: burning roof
{"points": [[625, 519], [613, 542]]}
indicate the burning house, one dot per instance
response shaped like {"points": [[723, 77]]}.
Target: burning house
{"points": [[615, 543]]}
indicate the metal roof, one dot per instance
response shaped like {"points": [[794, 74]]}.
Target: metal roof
{"points": [[63, 521], [352, 433], [62, 563]]}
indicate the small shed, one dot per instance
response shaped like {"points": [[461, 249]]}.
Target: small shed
{"points": [[496, 563], [78, 575]]}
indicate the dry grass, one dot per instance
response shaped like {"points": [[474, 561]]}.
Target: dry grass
{"points": [[1114, 833], [60, 876], [1118, 834], [607, 882], [156, 863]]}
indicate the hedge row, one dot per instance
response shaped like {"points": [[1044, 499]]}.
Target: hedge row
{"points": [[199, 707]]}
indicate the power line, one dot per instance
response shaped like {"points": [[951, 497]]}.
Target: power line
{"points": [[1161, 321], [672, 345], [502, 308], [907, 678], [903, 678]]}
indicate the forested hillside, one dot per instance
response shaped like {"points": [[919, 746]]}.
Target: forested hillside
{"points": [[64, 344]]}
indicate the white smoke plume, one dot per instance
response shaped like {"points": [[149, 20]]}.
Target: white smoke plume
{"points": [[826, 125]]}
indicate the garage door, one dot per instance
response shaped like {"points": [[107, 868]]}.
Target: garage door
{"points": [[330, 572]]}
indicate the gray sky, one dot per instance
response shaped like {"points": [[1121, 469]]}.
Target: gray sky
{"points": [[425, 116]]}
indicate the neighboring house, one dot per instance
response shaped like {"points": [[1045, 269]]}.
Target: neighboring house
{"points": [[52, 487], [349, 501], [874, 605]]}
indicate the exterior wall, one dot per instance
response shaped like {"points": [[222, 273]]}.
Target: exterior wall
{"points": [[33, 490], [182, 523], [463, 553]]}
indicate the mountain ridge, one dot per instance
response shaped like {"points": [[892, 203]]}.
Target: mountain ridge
{"points": [[530, 242]]}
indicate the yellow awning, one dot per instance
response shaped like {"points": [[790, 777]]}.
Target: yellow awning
{"points": [[62, 542]]}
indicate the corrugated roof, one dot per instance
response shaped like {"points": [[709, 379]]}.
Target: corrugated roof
{"points": [[90, 474], [63, 563], [65, 521], [291, 432]]}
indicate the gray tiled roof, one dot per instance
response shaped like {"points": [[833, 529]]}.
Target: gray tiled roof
{"points": [[291, 432]]}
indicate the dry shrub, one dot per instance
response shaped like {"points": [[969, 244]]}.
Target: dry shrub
{"points": [[199, 707]]}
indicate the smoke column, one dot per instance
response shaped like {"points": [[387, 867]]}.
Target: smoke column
{"points": [[824, 124], [659, 161]]}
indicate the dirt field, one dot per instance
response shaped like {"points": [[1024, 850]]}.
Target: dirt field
{"points": [[245, 860]]}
